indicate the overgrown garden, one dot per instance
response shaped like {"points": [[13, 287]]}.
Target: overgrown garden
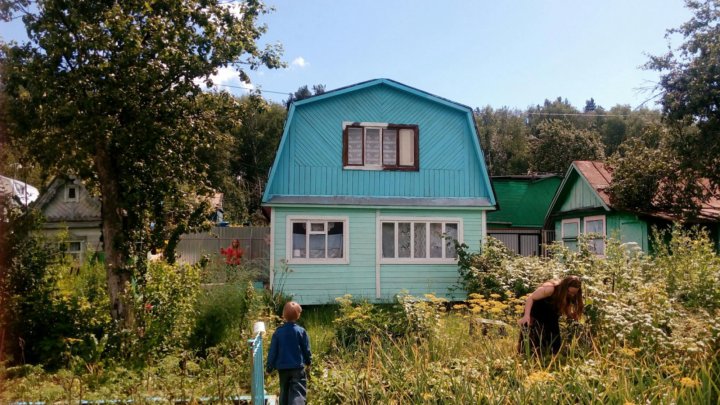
{"points": [[650, 334]]}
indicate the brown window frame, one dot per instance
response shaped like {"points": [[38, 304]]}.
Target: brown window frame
{"points": [[396, 166]]}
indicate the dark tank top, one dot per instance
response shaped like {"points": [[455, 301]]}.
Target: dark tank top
{"points": [[543, 312]]}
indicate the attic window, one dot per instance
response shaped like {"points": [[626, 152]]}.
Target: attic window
{"points": [[380, 146], [71, 193]]}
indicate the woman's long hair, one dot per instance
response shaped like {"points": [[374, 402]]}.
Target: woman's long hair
{"points": [[570, 306]]}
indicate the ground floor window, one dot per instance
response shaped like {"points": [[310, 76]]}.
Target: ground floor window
{"points": [[321, 240], [593, 227], [419, 240], [570, 230]]}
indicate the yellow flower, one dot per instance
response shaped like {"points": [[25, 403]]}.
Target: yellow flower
{"points": [[540, 377], [688, 382], [427, 396], [628, 351], [629, 403]]}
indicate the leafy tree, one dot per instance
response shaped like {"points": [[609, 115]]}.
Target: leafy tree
{"points": [[504, 138], [255, 144], [303, 93], [111, 91], [690, 90], [558, 144], [557, 110], [647, 176], [590, 105]]}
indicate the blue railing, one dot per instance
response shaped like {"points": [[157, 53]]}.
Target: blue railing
{"points": [[257, 370]]}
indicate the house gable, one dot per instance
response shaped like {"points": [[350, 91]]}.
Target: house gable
{"points": [[309, 163], [56, 207]]}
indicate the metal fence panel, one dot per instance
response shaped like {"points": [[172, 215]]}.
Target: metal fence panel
{"points": [[254, 240]]}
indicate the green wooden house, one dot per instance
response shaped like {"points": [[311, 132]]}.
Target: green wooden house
{"points": [[582, 206], [523, 202], [370, 186]]}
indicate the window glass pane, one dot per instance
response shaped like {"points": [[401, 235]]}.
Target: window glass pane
{"points": [[72, 193], [571, 244], [355, 144], [298, 242], [388, 239], [420, 241], [74, 247], [372, 146], [317, 246], [407, 147], [335, 240], [597, 246], [569, 229], [404, 239], [594, 226], [436, 241], [317, 227], [390, 147], [451, 230]]}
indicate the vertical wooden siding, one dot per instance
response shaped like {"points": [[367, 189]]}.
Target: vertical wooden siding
{"points": [[580, 196], [318, 283], [311, 162]]}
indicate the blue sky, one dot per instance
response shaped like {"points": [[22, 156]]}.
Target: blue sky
{"points": [[512, 53]]}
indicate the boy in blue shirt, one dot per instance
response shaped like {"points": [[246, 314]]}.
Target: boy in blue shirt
{"points": [[289, 354]]}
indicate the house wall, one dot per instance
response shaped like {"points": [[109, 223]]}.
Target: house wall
{"points": [[322, 283], [622, 226], [311, 160], [579, 196]]}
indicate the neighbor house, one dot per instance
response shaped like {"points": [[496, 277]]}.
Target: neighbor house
{"points": [[73, 213], [371, 185], [582, 205], [523, 201], [20, 193]]}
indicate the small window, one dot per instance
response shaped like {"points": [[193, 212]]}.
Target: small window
{"points": [[570, 231], [595, 229], [379, 146], [317, 240], [73, 249], [71, 193], [418, 240]]}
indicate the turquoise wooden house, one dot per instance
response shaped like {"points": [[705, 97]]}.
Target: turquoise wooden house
{"points": [[582, 206], [370, 185], [523, 201]]}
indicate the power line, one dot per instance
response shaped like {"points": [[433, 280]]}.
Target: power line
{"points": [[260, 90], [591, 114]]}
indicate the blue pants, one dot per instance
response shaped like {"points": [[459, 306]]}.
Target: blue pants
{"points": [[293, 386]]}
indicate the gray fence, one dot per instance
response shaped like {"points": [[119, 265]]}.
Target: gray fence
{"points": [[254, 240]]}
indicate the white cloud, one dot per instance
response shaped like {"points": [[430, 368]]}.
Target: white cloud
{"points": [[299, 62], [226, 76]]}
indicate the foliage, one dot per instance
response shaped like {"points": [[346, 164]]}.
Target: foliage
{"points": [[303, 93], [39, 283], [690, 89], [558, 144], [164, 303], [112, 93], [223, 312], [647, 176], [504, 138]]}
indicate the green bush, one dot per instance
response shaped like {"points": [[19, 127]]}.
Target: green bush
{"points": [[222, 312]]}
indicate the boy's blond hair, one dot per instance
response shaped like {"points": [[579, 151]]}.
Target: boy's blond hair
{"points": [[292, 311]]}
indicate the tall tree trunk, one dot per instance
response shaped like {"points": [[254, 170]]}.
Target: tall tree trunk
{"points": [[118, 275]]}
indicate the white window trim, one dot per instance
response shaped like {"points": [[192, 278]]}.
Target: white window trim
{"points": [[67, 193], [604, 228], [407, 260], [575, 221], [378, 125], [288, 239]]}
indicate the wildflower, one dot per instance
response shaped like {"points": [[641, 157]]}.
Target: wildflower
{"points": [[427, 396], [688, 382], [628, 351], [538, 377], [148, 307]]}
